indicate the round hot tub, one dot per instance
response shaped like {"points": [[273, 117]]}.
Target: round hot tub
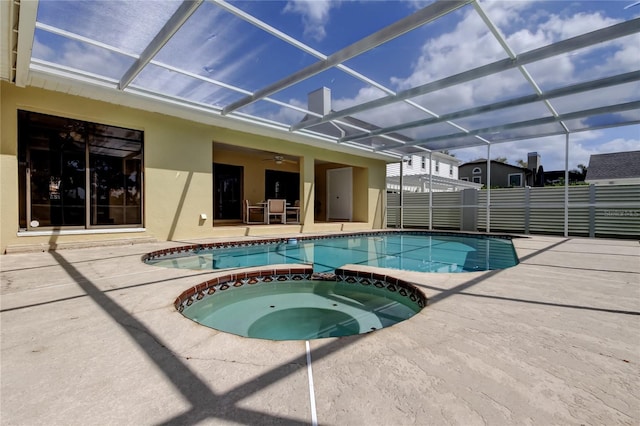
{"points": [[296, 304]]}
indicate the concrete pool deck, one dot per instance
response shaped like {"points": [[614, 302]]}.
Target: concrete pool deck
{"points": [[91, 337]]}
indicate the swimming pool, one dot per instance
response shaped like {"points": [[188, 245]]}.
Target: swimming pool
{"points": [[414, 251]]}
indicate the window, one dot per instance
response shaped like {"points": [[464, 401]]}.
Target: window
{"points": [[278, 184], [451, 171], [476, 179], [410, 161], [78, 174], [515, 179], [476, 171], [437, 166], [466, 179], [423, 163]]}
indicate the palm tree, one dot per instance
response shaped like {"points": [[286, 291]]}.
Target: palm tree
{"points": [[581, 172]]}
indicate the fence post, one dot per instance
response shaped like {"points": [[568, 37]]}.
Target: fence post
{"points": [[469, 215], [527, 209], [401, 193], [592, 211]]}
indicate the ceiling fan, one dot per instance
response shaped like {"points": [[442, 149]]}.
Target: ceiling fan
{"points": [[279, 159]]}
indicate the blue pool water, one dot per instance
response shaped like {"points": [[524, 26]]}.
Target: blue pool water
{"points": [[422, 252]]}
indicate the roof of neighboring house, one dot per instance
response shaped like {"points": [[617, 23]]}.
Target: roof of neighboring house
{"points": [[616, 165]]}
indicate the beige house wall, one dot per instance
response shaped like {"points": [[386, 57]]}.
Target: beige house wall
{"points": [[178, 184]]}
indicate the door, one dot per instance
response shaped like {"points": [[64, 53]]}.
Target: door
{"points": [[57, 181], [227, 187], [339, 194]]}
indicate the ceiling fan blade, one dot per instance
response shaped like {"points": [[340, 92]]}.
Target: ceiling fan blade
{"points": [[279, 159]]}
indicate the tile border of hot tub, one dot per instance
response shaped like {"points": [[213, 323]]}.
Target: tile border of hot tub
{"points": [[238, 279], [390, 283]]}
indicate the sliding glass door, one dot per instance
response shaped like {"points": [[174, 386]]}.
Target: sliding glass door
{"points": [[57, 189], [57, 186]]}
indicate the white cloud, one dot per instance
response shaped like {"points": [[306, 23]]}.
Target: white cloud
{"points": [[560, 28], [511, 14], [619, 145], [365, 94], [384, 116], [207, 45], [315, 15], [418, 4], [469, 44], [288, 115], [84, 57], [129, 25], [42, 51]]}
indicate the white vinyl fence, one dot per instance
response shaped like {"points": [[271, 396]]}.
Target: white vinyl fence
{"points": [[593, 211]]}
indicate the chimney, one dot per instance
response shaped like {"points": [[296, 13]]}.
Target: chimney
{"points": [[320, 101], [533, 161]]}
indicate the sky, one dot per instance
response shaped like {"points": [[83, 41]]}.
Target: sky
{"points": [[217, 45]]}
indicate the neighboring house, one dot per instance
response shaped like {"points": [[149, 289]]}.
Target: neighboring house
{"points": [[616, 168], [417, 170], [503, 175]]}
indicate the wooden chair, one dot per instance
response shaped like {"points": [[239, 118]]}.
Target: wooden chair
{"points": [[277, 208], [294, 212], [252, 209]]}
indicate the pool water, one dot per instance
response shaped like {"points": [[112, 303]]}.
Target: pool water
{"points": [[422, 252], [301, 310]]}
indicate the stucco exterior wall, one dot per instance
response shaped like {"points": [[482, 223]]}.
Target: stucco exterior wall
{"points": [[178, 157]]}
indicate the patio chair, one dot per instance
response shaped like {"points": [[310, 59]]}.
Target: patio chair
{"points": [[277, 208], [254, 210], [294, 212]]}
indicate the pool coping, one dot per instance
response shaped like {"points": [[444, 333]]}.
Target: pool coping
{"points": [[187, 250]]}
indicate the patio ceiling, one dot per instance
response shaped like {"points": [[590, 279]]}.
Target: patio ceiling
{"points": [[231, 64]]}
